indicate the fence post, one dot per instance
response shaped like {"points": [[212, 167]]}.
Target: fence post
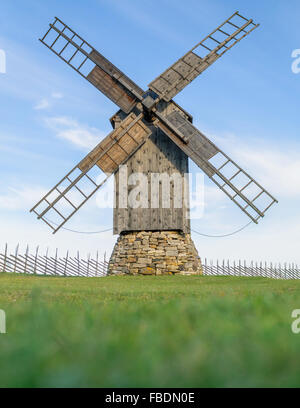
{"points": [[46, 264], [88, 265], [293, 270], [66, 263], [5, 258], [16, 255], [280, 270], [285, 270], [55, 263], [35, 259], [97, 262], [26, 258], [78, 265], [266, 270]]}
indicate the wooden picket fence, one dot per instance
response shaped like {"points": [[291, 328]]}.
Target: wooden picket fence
{"points": [[255, 269], [58, 265]]}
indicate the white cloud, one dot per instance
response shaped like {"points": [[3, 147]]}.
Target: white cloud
{"points": [[278, 171], [42, 104], [21, 198], [275, 167], [82, 136], [46, 103], [57, 95]]}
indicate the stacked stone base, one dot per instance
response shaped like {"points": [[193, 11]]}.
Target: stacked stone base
{"points": [[155, 253]]}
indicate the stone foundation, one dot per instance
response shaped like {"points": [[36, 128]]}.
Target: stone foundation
{"points": [[155, 253]]}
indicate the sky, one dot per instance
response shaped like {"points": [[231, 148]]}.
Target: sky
{"points": [[247, 103]]}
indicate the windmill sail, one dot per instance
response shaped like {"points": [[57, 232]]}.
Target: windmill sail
{"points": [[204, 54], [93, 66], [238, 185], [82, 182]]}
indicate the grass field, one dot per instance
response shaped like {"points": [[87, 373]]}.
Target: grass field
{"points": [[148, 331]]}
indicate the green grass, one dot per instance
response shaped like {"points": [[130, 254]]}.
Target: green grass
{"points": [[148, 331]]}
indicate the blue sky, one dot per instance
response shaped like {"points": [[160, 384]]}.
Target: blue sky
{"points": [[247, 103]]}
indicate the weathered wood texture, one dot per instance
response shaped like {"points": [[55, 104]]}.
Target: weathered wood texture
{"points": [[157, 155], [200, 57], [109, 83], [118, 145]]}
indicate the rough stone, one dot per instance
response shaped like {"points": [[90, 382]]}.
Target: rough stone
{"points": [[170, 252]]}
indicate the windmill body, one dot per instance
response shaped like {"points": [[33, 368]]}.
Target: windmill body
{"points": [[164, 167], [154, 137]]}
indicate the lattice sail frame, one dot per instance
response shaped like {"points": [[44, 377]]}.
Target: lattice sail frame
{"points": [[187, 68], [236, 183], [82, 182], [93, 66]]}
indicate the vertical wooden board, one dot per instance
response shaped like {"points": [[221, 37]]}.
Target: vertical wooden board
{"points": [[192, 59], [112, 89], [117, 154], [127, 143], [106, 164], [113, 70], [158, 155]]}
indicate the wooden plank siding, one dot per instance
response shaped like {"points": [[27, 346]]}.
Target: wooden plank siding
{"points": [[158, 154]]}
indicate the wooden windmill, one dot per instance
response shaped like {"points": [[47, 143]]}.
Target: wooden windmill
{"points": [[151, 135]]}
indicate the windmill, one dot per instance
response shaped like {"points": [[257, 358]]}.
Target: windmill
{"points": [[151, 134]]}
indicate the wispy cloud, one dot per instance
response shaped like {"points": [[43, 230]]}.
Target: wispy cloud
{"points": [[42, 104], [46, 103], [82, 136], [21, 198], [57, 95], [275, 167]]}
